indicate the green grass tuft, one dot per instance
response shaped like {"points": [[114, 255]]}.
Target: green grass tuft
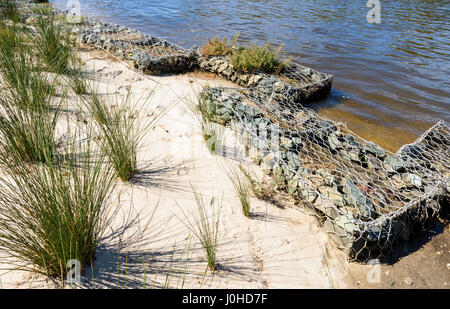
{"points": [[205, 226], [27, 115], [53, 44], [241, 187], [122, 129], [258, 59], [10, 10], [52, 213]]}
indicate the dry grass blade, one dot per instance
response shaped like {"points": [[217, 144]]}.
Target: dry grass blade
{"points": [[241, 187], [205, 226]]}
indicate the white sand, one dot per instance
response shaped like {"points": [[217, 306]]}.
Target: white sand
{"points": [[276, 248]]}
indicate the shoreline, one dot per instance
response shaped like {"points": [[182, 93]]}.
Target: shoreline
{"points": [[254, 254], [348, 107]]}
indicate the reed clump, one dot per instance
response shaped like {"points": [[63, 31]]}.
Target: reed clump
{"points": [[54, 212], [205, 226]]}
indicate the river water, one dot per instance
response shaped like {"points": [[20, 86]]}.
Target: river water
{"points": [[391, 79]]}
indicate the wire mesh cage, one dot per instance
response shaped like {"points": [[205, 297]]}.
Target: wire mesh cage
{"points": [[146, 53], [368, 199], [301, 84]]}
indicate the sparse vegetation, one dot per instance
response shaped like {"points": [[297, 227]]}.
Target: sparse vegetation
{"points": [[213, 135], [205, 226], [78, 84], [254, 58], [52, 213], [241, 187], [261, 191], [216, 47], [122, 129], [212, 130]]}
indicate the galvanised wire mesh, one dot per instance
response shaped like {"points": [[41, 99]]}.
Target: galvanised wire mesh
{"points": [[368, 199], [296, 82], [146, 53]]}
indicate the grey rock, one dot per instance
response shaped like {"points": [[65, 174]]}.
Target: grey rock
{"points": [[394, 165], [358, 199], [306, 194], [333, 195], [304, 171], [375, 150], [293, 160], [346, 222], [335, 142], [412, 179]]}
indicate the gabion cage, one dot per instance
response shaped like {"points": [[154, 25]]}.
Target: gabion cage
{"points": [[145, 53], [299, 83], [367, 199]]}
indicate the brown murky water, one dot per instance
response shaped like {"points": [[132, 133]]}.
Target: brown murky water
{"points": [[391, 79]]}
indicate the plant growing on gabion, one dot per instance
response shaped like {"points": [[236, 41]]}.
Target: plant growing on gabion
{"points": [[254, 58], [216, 47]]}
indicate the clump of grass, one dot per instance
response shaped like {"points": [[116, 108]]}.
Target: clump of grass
{"points": [[205, 226], [254, 58], [78, 84], [27, 117], [27, 135], [44, 9], [216, 47], [9, 10], [241, 187], [53, 44], [122, 130], [52, 213]]}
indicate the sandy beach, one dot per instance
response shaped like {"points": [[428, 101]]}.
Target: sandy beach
{"points": [[149, 243]]}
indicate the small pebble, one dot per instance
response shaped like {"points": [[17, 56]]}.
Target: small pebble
{"points": [[409, 281]]}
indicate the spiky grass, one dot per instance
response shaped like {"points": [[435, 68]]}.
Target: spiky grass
{"points": [[52, 213], [241, 186], [123, 129], [254, 58], [27, 136], [53, 44], [10, 10], [205, 227], [28, 115], [78, 84]]}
